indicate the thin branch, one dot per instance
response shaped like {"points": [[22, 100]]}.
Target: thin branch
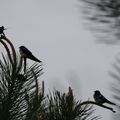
{"points": [[7, 49], [101, 105], [12, 48], [43, 87], [24, 64]]}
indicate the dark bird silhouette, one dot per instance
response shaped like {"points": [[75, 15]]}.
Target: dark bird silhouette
{"points": [[99, 98], [25, 53], [2, 30]]}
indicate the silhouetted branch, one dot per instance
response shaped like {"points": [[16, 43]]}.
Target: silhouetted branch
{"points": [[105, 16], [101, 105], [24, 64], [7, 49], [12, 47]]}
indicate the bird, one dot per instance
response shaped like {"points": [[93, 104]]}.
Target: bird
{"points": [[100, 99], [1, 30], [25, 53]]}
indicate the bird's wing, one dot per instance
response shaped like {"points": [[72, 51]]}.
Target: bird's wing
{"points": [[102, 97], [26, 51]]}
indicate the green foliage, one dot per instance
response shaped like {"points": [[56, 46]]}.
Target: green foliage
{"points": [[22, 95], [19, 91], [62, 106]]}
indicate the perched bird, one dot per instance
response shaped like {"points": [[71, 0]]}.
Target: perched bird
{"points": [[99, 98], [25, 53], [1, 30]]}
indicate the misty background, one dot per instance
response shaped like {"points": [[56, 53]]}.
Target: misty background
{"points": [[57, 34]]}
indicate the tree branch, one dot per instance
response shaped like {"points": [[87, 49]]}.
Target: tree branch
{"points": [[12, 47], [7, 49], [95, 103]]}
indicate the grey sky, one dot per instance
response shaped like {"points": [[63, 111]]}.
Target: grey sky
{"points": [[55, 33]]}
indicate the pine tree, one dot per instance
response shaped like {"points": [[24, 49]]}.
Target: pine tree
{"points": [[115, 86], [104, 17], [22, 94]]}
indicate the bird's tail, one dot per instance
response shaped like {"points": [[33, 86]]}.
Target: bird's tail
{"points": [[111, 102], [34, 58]]}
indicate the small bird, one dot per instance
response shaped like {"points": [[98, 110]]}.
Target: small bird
{"points": [[99, 98], [25, 53], [1, 30]]}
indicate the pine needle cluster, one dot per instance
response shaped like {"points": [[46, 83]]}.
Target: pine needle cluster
{"points": [[22, 94]]}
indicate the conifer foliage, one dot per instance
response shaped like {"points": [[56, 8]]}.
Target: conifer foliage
{"points": [[22, 94], [104, 18]]}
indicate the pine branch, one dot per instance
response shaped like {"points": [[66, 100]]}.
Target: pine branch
{"points": [[101, 105], [12, 48]]}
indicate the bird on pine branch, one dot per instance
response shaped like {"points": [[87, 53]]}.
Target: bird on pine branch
{"points": [[25, 53]]}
